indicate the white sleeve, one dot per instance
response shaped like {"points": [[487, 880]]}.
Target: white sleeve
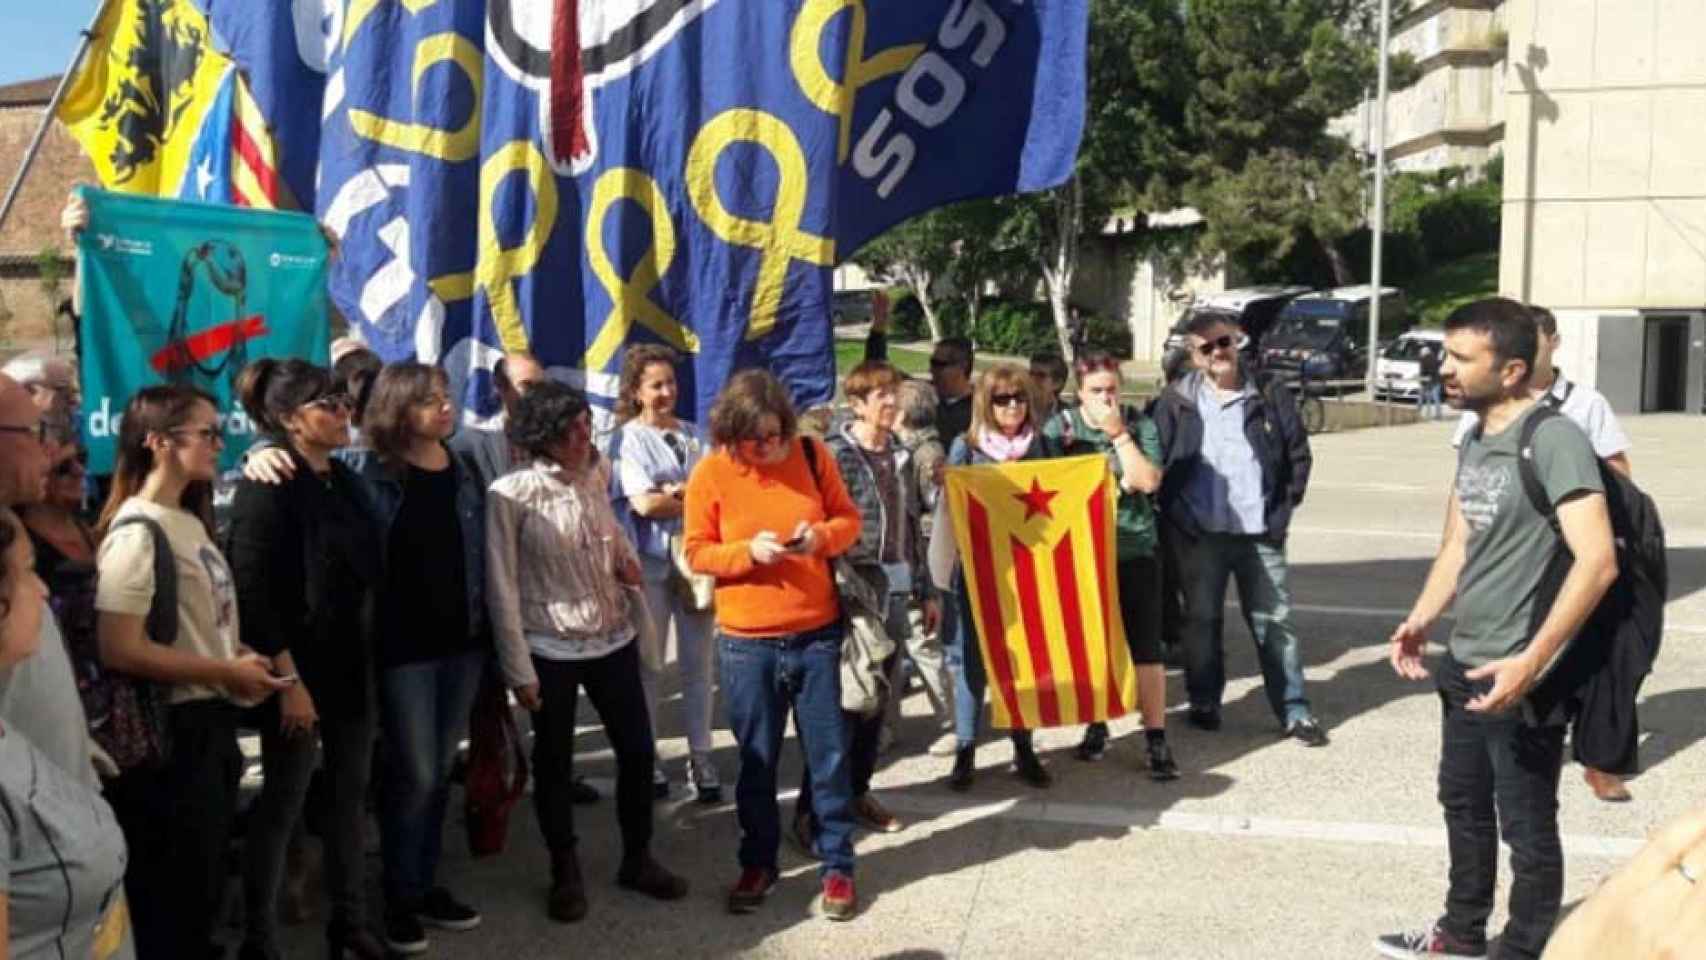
{"points": [[1602, 428], [1465, 426]]}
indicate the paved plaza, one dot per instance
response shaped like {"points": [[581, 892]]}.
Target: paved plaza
{"points": [[1265, 848]]}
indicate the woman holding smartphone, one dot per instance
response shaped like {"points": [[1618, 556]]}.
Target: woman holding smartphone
{"points": [[1099, 425], [176, 815], [306, 556]]}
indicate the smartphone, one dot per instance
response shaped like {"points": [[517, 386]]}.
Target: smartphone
{"points": [[794, 543], [289, 678]]}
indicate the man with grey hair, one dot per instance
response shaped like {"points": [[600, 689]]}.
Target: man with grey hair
{"points": [[39, 696], [917, 430], [51, 380]]}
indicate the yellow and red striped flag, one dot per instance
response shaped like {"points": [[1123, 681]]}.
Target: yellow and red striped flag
{"points": [[1036, 539]]}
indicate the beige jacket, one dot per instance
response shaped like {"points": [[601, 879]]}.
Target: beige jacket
{"points": [[552, 548]]}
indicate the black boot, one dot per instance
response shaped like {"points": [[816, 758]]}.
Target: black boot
{"points": [[567, 902], [1029, 768], [965, 768], [646, 875]]}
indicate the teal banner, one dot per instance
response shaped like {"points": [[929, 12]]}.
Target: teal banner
{"points": [[189, 293]]}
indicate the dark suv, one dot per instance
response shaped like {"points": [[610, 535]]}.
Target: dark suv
{"points": [[1323, 336]]}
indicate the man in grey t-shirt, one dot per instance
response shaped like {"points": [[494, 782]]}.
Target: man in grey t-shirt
{"points": [[1494, 758]]}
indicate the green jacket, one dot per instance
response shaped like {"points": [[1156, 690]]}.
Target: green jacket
{"points": [[1135, 513]]}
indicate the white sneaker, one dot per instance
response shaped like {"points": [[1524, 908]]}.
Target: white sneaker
{"points": [[702, 774], [945, 745]]}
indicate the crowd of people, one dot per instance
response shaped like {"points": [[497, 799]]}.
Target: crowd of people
{"points": [[375, 563]]}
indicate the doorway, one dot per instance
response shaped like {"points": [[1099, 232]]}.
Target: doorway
{"points": [[1664, 367]]}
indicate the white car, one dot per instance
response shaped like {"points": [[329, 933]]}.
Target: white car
{"points": [[1398, 372]]}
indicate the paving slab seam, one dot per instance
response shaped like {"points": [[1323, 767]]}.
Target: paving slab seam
{"points": [[1064, 813]]}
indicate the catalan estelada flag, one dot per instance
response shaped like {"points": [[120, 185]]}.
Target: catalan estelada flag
{"points": [[150, 91], [1036, 539]]}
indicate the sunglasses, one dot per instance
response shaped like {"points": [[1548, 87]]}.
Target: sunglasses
{"points": [[937, 363], [1009, 400], [211, 435], [333, 403], [72, 466], [1221, 343], [39, 431]]}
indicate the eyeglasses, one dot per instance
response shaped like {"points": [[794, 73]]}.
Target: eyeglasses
{"points": [[434, 400], [1220, 343], [72, 466], [39, 431], [333, 403], [211, 435], [1009, 400], [765, 439], [937, 363]]}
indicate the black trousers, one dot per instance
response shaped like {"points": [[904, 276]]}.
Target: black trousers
{"points": [[177, 821], [1498, 774], [612, 682]]}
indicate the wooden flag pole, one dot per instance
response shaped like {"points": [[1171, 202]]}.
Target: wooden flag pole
{"points": [[88, 37]]}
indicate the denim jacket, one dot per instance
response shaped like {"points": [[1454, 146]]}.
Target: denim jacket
{"points": [[385, 496]]}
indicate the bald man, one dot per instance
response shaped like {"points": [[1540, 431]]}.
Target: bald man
{"points": [[39, 696]]}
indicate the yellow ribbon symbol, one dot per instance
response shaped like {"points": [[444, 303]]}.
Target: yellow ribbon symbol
{"points": [[630, 299], [499, 266], [781, 240], [804, 54]]}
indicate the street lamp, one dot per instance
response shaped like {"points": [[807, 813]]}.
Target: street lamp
{"points": [[1379, 197]]}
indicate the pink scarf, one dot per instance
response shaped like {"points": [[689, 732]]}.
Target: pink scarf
{"points": [[1003, 448]]}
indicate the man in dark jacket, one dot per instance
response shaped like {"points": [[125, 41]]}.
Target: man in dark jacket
{"points": [[1237, 464]]}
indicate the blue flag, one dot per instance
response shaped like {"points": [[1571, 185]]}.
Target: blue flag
{"points": [[572, 176]]}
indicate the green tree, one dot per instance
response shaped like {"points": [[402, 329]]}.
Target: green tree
{"points": [[1133, 154], [1270, 75], [915, 254]]}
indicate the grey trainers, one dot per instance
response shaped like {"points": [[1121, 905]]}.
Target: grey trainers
{"points": [[702, 773]]}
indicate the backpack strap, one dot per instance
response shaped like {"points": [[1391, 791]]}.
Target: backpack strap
{"points": [[1531, 484], [162, 620], [810, 449]]}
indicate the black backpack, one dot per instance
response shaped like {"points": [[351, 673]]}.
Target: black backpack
{"points": [[128, 714], [1618, 644]]}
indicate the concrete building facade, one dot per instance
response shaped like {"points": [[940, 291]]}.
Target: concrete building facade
{"points": [[1604, 215], [1454, 114]]}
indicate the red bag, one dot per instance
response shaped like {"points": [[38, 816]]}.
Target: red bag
{"points": [[497, 768]]}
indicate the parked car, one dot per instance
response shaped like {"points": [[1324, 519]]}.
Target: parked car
{"points": [[1398, 371], [1323, 336], [1252, 309], [850, 306]]}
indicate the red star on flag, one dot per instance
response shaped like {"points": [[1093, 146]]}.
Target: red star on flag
{"points": [[1036, 501]]}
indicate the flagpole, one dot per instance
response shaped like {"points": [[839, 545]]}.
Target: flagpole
{"points": [[88, 36]]}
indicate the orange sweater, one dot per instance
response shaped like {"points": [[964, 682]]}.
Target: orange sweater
{"points": [[728, 503]]}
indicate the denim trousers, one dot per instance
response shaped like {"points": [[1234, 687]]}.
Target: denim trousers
{"points": [[177, 822], [612, 683], [965, 662], [288, 764], [1498, 775], [695, 650], [1259, 567], [763, 679], [424, 710], [865, 733]]}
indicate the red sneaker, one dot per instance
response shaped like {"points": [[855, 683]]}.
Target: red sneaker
{"points": [[839, 900], [751, 889]]}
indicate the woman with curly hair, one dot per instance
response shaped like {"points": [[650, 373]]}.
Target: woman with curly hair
{"points": [[557, 563]]}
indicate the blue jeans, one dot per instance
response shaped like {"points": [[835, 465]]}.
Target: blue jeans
{"points": [[424, 708], [762, 679], [1207, 562], [1430, 401], [965, 662]]}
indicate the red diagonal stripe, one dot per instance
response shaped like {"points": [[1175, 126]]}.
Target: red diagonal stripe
{"points": [[1099, 532], [1072, 618], [989, 626], [250, 154], [1036, 637]]}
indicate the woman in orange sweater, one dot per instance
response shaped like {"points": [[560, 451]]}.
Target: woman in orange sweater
{"points": [[764, 516]]}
